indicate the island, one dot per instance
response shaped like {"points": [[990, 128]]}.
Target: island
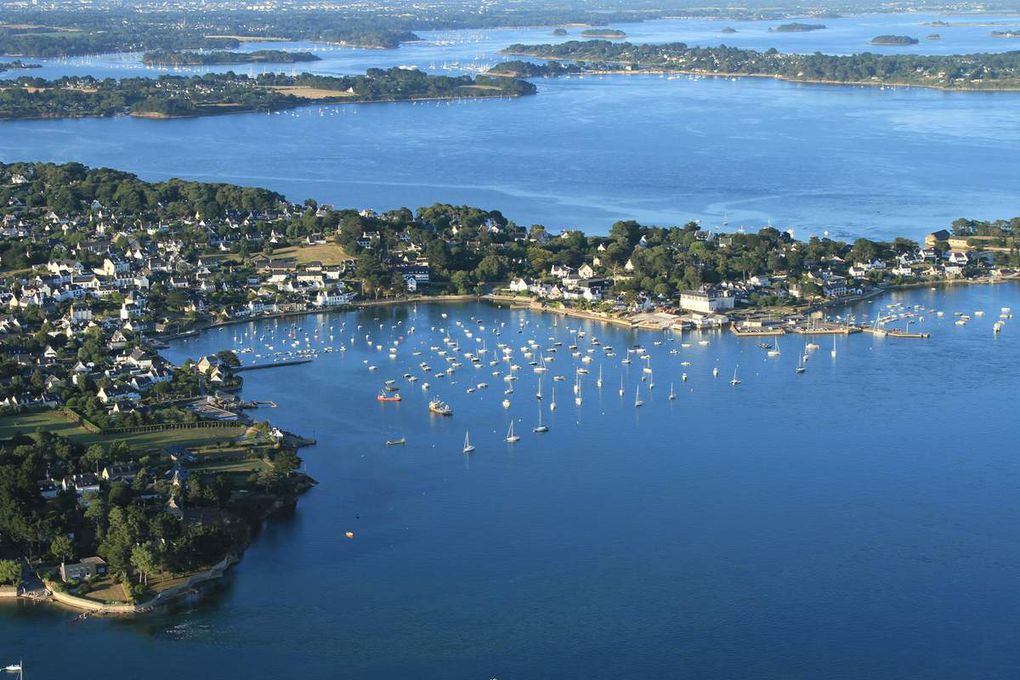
{"points": [[894, 40], [559, 32], [127, 480], [729, 30], [16, 65], [190, 58], [797, 28], [604, 33], [984, 71], [213, 94]]}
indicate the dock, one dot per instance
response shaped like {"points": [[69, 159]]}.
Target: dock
{"points": [[756, 332], [826, 330], [257, 367], [896, 333]]}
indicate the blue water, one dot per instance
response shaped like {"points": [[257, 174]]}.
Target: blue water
{"points": [[854, 521], [585, 152]]}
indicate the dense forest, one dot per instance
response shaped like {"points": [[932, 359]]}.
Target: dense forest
{"points": [[178, 96], [965, 72], [219, 57]]}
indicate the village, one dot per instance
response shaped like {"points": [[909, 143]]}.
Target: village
{"points": [[143, 471]]}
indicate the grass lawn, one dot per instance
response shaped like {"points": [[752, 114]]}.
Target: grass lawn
{"points": [[48, 421], [106, 591], [326, 253], [233, 466]]}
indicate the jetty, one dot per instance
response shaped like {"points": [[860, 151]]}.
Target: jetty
{"points": [[258, 367], [896, 333]]}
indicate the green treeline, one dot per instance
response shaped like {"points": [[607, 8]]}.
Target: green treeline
{"points": [[229, 92], [960, 71], [527, 69], [191, 58]]}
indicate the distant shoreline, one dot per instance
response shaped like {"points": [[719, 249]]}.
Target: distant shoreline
{"points": [[788, 79]]}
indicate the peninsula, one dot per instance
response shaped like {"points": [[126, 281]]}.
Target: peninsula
{"points": [[948, 72], [213, 94], [190, 58], [125, 480]]}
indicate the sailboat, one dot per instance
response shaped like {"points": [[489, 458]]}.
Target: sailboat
{"points": [[552, 402], [637, 397], [774, 352], [468, 446], [833, 352], [512, 438], [715, 372], [621, 385], [577, 390], [538, 395], [801, 361], [541, 427], [735, 381], [598, 383], [672, 394]]}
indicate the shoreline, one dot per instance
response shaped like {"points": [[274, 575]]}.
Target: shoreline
{"points": [[658, 70], [154, 115]]}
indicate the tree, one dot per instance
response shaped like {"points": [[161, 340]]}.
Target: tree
{"points": [[145, 561], [10, 572], [62, 548]]}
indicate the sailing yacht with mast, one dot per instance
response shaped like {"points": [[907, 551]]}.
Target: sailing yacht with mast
{"points": [[833, 352], [672, 394], [552, 402], [638, 403], [512, 438], [621, 385], [598, 383], [468, 446], [735, 381], [541, 427]]}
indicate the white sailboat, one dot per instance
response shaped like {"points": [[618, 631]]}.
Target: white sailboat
{"points": [[552, 402], [621, 385], [833, 352], [715, 372], [538, 395], [541, 427], [774, 352], [735, 381], [512, 438], [638, 403], [598, 383], [468, 446], [672, 394], [577, 390]]}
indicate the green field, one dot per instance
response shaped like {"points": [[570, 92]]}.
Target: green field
{"points": [[49, 421]]}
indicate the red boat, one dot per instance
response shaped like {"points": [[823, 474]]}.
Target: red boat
{"points": [[383, 397]]}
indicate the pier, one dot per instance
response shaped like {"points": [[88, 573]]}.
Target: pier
{"points": [[258, 367]]}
